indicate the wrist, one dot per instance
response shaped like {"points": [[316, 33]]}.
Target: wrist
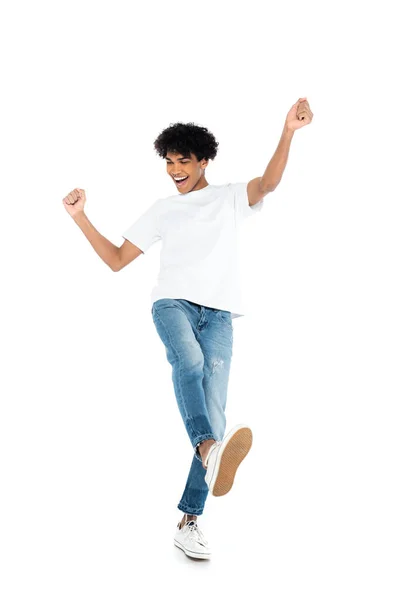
{"points": [[79, 217], [288, 132]]}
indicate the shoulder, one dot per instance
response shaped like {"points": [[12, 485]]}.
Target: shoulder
{"points": [[238, 188], [230, 188]]}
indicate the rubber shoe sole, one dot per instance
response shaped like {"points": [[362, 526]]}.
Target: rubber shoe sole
{"points": [[191, 553], [225, 459]]}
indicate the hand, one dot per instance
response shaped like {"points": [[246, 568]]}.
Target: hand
{"points": [[299, 115], [75, 201]]}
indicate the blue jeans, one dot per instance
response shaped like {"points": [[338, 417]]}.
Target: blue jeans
{"points": [[198, 342]]}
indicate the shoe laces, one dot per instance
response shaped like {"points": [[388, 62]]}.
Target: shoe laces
{"points": [[195, 532]]}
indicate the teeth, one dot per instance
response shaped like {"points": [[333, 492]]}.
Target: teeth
{"points": [[180, 179]]}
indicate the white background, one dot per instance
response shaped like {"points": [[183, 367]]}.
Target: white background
{"points": [[94, 455]]}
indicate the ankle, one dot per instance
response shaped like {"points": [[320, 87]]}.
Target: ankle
{"points": [[204, 447], [187, 517]]}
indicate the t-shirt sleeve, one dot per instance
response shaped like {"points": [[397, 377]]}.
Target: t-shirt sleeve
{"points": [[144, 232], [241, 201]]}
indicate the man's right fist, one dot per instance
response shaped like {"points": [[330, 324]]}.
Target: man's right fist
{"points": [[75, 202]]}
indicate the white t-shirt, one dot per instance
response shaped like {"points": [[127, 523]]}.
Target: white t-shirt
{"points": [[198, 259]]}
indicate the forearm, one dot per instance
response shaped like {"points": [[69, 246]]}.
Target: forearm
{"points": [[276, 166], [107, 251]]}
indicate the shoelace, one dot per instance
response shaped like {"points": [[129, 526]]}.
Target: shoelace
{"points": [[195, 532]]}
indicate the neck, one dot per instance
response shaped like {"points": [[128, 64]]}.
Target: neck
{"points": [[202, 183]]}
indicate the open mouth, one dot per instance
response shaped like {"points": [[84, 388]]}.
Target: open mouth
{"points": [[181, 183]]}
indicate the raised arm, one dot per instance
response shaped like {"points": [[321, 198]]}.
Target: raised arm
{"points": [[299, 115], [116, 258], [127, 253]]}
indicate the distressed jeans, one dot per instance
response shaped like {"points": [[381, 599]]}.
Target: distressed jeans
{"points": [[198, 342]]}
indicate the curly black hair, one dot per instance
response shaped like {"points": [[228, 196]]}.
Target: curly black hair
{"points": [[186, 138]]}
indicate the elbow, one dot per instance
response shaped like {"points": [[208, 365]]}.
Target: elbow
{"points": [[270, 187], [267, 188], [115, 264], [115, 267]]}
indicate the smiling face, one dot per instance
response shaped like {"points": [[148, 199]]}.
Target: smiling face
{"points": [[187, 168]]}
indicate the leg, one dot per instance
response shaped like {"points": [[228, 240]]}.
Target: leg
{"points": [[174, 326], [187, 361], [215, 335]]}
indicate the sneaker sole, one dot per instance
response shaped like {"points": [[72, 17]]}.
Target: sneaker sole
{"points": [[190, 553], [236, 449]]}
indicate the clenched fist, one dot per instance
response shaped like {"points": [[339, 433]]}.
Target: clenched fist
{"points": [[75, 202]]}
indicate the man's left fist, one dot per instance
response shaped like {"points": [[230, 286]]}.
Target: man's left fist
{"points": [[299, 115]]}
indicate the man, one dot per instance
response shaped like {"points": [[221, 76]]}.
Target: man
{"points": [[197, 296]]}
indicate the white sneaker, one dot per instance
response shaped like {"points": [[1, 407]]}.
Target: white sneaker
{"points": [[191, 540], [224, 457]]}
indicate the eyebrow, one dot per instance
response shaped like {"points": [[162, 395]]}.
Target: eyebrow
{"points": [[183, 158]]}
